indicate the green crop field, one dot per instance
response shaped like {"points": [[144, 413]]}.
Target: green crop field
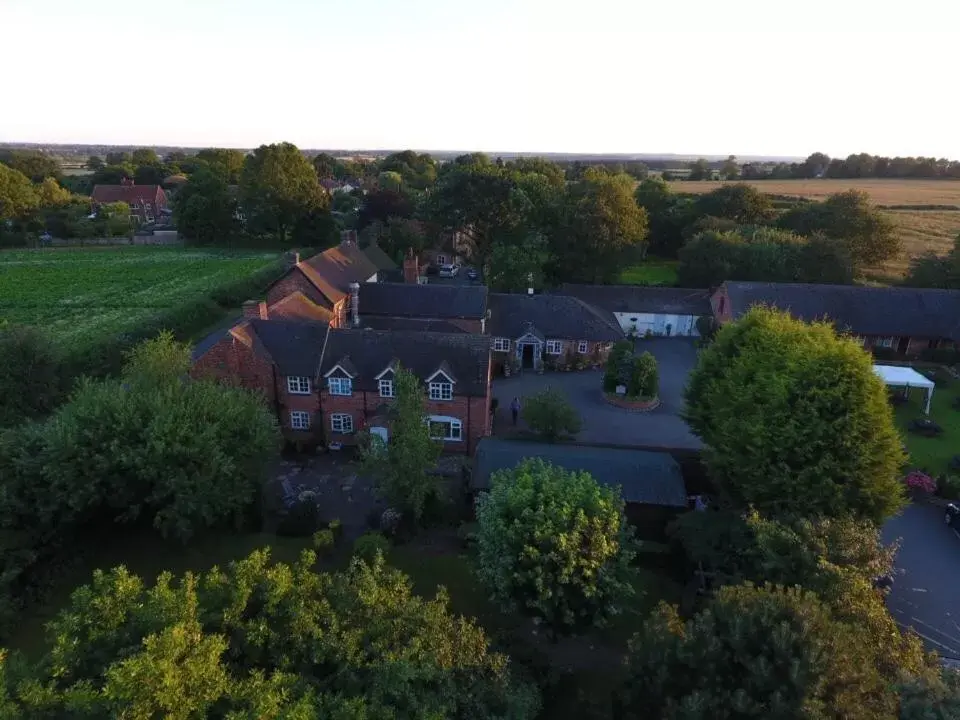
{"points": [[82, 294]]}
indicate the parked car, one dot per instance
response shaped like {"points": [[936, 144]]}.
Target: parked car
{"points": [[449, 271], [952, 516], [472, 274]]}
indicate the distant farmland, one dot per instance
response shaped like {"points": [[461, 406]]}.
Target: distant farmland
{"points": [[921, 230], [82, 295]]}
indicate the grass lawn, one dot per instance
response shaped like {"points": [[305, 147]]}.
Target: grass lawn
{"points": [[932, 454], [80, 294], [651, 272]]}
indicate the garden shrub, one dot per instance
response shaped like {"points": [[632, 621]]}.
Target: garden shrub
{"points": [[949, 487], [550, 414], [368, 545], [323, 541], [925, 427], [617, 370], [644, 377], [920, 481], [302, 518]]}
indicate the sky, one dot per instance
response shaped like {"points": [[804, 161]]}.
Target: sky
{"points": [[700, 77]]}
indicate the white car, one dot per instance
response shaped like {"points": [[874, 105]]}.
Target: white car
{"points": [[448, 271]]}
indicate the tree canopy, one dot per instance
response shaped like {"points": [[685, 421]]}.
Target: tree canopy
{"points": [[230, 162], [34, 164], [740, 202], [755, 652], [795, 420], [206, 210], [17, 195], [259, 640], [279, 188], [31, 384], [555, 545]]}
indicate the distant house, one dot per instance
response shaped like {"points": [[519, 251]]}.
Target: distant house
{"points": [[148, 203], [532, 327], [659, 310], [904, 320], [651, 483]]}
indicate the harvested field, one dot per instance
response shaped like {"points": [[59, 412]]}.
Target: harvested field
{"points": [[922, 231], [881, 192], [81, 295]]}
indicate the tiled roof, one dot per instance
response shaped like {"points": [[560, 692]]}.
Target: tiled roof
{"points": [[556, 316], [466, 356], [130, 194], [652, 478], [297, 306], [897, 311], [375, 322], [640, 299], [423, 301], [295, 347], [332, 271]]}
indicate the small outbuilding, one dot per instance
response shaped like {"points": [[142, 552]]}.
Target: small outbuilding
{"points": [[651, 483], [906, 378], [663, 311]]}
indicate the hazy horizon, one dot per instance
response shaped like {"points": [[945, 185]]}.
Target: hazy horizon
{"points": [[612, 77]]}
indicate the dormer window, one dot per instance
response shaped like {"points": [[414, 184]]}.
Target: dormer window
{"points": [[386, 388], [441, 390], [340, 386]]}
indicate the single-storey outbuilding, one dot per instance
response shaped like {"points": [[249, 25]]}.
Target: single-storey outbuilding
{"points": [[662, 311], [651, 483]]}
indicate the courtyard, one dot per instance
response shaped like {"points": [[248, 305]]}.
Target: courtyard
{"points": [[603, 423]]}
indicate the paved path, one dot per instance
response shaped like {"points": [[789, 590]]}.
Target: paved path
{"points": [[604, 423], [926, 596]]}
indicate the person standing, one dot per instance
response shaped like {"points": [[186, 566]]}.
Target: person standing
{"points": [[515, 409]]}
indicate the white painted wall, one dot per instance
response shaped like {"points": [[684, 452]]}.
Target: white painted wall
{"points": [[680, 325]]}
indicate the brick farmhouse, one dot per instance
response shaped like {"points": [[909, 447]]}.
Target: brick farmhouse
{"points": [[147, 202]]}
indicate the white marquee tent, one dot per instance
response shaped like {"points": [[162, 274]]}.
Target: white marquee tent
{"points": [[905, 377]]}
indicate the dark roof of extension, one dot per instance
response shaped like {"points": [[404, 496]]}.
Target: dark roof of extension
{"points": [[424, 301], [652, 478], [898, 311], [641, 299], [561, 317], [378, 257], [367, 353], [375, 322], [295, 347]]}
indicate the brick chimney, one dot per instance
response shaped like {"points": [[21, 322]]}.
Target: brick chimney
{"points": [[292, 259], [126, 182], [355, 304], [254, 309], [348, 237], [411, 268]]}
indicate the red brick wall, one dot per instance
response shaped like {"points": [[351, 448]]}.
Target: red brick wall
{"points": [[291, 282], [473, 412], [720, 302], [287, 402]]}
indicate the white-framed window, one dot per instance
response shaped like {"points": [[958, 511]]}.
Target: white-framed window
{"points": [[341, 423], [299, 420], [298, 385], [582, 347], [501, 344], [554, 347], [340, 386], [447, 429], [441, 391], [386, 388], [441, 259], [886, 342]]}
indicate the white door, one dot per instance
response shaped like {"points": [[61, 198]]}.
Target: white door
{"points": [[380, 432]]}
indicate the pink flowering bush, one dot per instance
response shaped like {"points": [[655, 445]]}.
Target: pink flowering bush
{"points": [[917, 480]]}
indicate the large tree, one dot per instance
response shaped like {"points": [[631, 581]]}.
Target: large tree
{"points": [[936, 271], [516, 265], [403, 466], [18, 197], [766, 652], [257, 640], [483, 203], [230, 162], [32, 163], [278, 188], [206, 210], [795, 419], [416, 170], [602, 228], [740, 202], [555, 545], [113, 174], [849, 217]]}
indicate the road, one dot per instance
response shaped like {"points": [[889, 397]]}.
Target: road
{"points": [[926, 594]]}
